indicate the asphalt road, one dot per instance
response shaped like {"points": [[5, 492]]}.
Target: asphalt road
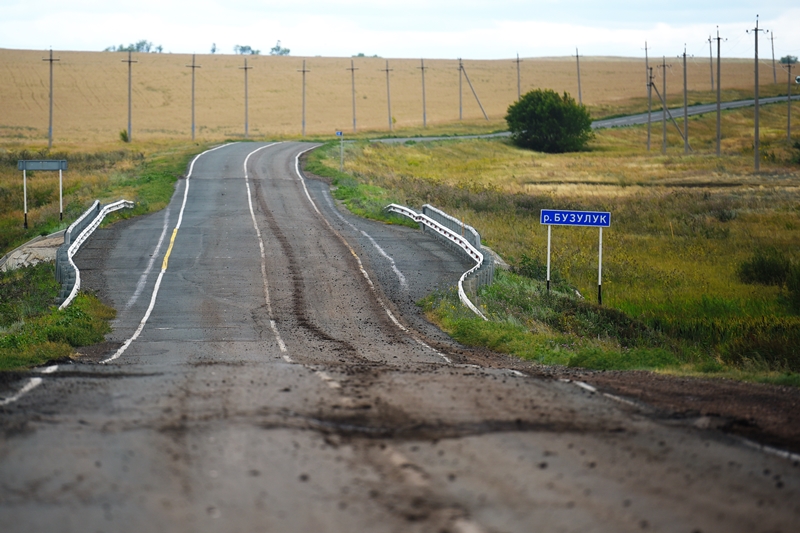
{"points": [[284, 381]]}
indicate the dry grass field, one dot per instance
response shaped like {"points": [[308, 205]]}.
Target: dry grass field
{"points": [[91, 89]]}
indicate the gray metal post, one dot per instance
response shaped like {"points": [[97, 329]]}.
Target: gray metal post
{"points": [[600, 270], [549, 235], [578, 59], [353, 70], [422, 68], [60, 195], [130, 62], [25, 197], [50, 126], [685, 107], [193, 66], [388, 94]]}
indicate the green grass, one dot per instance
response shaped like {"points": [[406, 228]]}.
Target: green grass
{"points": [[33, 331], [682, 227]]}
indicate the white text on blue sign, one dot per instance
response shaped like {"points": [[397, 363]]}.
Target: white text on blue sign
{"points": [[575, 218]]}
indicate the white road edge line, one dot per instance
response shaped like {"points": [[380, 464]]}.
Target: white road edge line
{"points": [[157, 286], [143, 278], [360, 264]]}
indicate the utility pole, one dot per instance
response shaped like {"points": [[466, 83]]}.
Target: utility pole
{"points": [[50, 127], [711, 61], [422, 68], [663, 67], [789, 100], [649, 75], [194, 67], [304, 95], [245, 68], [519, 86], [719, 96], [387, 70], [130, 62], [685, 107], [757, 143], [578, 59], [353, 70]]}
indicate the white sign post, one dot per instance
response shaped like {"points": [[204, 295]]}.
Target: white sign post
{"points": [[560, 217], [340, 134]]}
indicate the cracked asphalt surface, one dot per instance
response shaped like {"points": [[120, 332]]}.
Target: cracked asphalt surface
{"points": [[300, 389]]}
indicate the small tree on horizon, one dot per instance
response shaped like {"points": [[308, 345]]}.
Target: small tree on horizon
{"points": [[278, 50], [545, 121]]}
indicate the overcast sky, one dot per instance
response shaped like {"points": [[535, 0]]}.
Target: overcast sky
{"points": [[472, 29]]}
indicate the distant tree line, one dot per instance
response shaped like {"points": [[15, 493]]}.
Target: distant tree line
{"points": [[142, 46]]}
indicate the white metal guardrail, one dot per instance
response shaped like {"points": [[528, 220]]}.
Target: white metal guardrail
{"points": [[87, 223], [453, 237]]}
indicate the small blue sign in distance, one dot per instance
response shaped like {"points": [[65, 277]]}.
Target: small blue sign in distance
{"points": [[561, 217], [339, 133]]}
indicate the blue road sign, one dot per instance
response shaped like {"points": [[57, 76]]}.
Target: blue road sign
{"points": [[339, 133], [560, 217]]}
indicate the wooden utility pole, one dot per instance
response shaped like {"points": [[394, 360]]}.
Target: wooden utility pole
{"points": [[519, 86], [304, 95], [50, 127], [194, 67], [130, 62], [466, 76], [422, 68], [774, 71], [387, 70], [353, 70], [757, 143], [246, 125], [460, 98]]}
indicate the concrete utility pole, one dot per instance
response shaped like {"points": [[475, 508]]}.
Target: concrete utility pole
{"points": [[246, 125], [663, 67], [422, 68], [50, 127], [648, 72], [194, 67], [578, 59], [130, 62], [711, 61], [789, 100], [353, 70], [757, 142], [304, 95], [719, 96], [685, 107], [519, 86], [387, 70]]}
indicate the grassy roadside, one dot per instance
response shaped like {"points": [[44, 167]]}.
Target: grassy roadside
{"points": [[682, 228], [32, 330]]}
